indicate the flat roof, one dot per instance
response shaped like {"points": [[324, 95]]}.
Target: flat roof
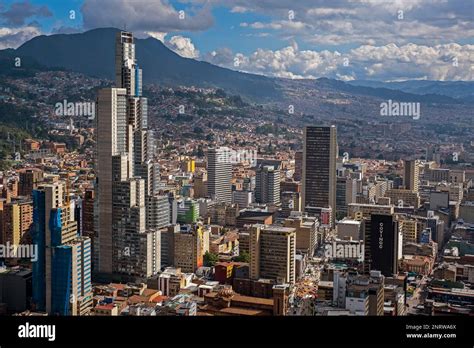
{"points": [[277, 228], [242, 311]]}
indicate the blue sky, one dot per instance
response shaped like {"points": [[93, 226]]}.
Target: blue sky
{"points": [[344, 39]]}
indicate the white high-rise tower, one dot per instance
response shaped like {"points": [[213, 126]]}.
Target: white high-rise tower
{"points": [[125, 247]]}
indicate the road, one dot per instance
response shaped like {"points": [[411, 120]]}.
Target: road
{"points": [[417, 297]]}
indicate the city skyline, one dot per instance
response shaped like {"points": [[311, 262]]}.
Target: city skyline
{"points": [[139, 180]]}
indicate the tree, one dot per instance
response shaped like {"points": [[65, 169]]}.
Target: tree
{"points": [[243, 257], [210, 259]]}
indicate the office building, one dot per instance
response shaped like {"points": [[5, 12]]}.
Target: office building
{"points": [[242, 198], [359, 294], [15, 288], [188, 211], [71, 288], [298, 166], [360, 211], [45, 199], [267, 188], [190, 245], [290, 186], [305, 232], [382, 244], [436, 174], [16, 221], [219, 176], [272, 253], [436, 225], [411, 173], [62, 273], [111, 140], [29, 181], [167, 244], [350, 229], [346, 191], [158, 212], [404, 198], [125, 173], [319, 168], [136, 249], [88, 219], [200, 184], [409, 228], [290, 201]]}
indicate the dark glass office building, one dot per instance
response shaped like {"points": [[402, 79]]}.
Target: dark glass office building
{"points": [[382, 244], [319, 168]]}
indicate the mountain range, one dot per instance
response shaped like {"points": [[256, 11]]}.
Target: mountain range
{"points": [[92, 53], [454, 89]]}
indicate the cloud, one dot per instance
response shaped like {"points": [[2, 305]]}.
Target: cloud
{"points": [[157, 35], [183, 46], [14, 37], [144, 16], [239, 9], [286, 25], [325, 11], [65, 30], [342, 22], [388, 62], [19, 12]]}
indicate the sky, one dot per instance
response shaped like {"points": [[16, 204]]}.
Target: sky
{"points": [[384, 40]]}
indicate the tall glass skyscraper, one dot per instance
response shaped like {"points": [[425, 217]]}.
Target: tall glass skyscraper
{"points": [[62, 273], [319, 168]]}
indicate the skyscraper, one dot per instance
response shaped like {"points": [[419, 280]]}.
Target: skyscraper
{"points": [[45, 199], [61, 275], [272, 253], [346, 191], [219, 176], [124, 172], [88, 217], [71, 288], [158, 212], [298, 165], [111, 140], [382, 244], [267, 185], [319, 168], [128, 75], [410, 177]]}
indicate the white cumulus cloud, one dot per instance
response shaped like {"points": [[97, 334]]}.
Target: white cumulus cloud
{"points": [[14, 37], [388, 62], [183, 46]]}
